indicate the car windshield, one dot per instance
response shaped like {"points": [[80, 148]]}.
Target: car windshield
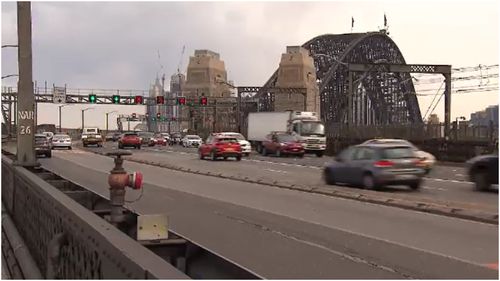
{"points": [[312, 128], [395, 142], [40, 139], [193, 137], [287, 138], [398, 153], [130, 135], [56, 137], [235, 136], [91, 131], [227, 140], [146, 134]]}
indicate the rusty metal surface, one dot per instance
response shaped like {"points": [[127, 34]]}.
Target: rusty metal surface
{"points": [[92, 248]]}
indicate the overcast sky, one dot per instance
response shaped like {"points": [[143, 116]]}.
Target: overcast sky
{"points": [[114, 45]]}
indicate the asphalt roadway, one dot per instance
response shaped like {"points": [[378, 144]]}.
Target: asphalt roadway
{"points": [[446, 185], [281, 233]]}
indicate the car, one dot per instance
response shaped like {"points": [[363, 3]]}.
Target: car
{"points": [[91, 136], [49, 135], [427, 159], [61, 141], [147, 138], [191, 140], [483, 171], [130, 139], [220, 146], [42, 145], [166, 136], [175, 138], [159, 139], [374, 166], [112, 136], [246, 148], [282, 144]]}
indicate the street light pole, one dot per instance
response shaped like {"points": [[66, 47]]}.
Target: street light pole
{"points": [[60, 117], [107, 115], [83, 116]]}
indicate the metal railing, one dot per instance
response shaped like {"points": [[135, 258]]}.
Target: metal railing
{"points": [[68, 241]]}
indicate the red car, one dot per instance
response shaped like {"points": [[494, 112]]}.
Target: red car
{"points": [[159, 139], [130, 139], [220, 146], [282, 144]]}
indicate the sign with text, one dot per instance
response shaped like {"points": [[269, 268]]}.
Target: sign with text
{"points": [[59, 95]]}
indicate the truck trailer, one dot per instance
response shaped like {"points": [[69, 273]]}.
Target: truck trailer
{"points": [[306, 126]]}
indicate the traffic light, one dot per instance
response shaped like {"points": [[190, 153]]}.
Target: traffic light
{"points": [[116, 99], [181, 101], [92, 98], [138, 100], [134, 115], [160, 100], [158, 116], [203, 100]]}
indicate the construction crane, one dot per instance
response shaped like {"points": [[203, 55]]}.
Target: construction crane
{"points": [[180, 60]]}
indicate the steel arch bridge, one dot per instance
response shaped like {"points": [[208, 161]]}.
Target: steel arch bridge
{"points": [[379, 98]]}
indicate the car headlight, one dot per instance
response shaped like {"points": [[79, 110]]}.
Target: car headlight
{"points": [[84, 136], [98, 136]]}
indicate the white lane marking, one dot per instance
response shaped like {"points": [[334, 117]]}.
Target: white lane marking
{"points": [[460, 175], [434, 188], [276, 171], [453, 181]]}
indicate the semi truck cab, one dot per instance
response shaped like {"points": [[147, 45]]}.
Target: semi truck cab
{"points": [[310, 131]]}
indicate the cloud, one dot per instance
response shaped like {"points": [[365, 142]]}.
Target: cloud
{"points": [[115, 44]]}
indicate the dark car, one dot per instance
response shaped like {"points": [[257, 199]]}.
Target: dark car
{"points": [[483, 171], [376, 165], [147, 138], [129, 139], [282, 144], [112, 136], [42, 145]]}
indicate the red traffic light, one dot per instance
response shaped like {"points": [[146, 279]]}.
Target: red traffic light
{"points": [[134, 115], [158, 115], [203, 100], [181, 100], [138, 99], [160, 100]]}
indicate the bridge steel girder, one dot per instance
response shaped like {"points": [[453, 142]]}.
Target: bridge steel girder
{"points": [[388, 98]]}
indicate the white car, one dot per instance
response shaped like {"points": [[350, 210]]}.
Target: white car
{"points": [[427, 159], [246, 148], [62, 141], [191, 140]]}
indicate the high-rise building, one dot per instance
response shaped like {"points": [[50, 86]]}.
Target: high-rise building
{"points": [[486, 117], [152, 109]]}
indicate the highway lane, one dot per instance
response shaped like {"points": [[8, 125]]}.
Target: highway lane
{"points": [[460, 194], [306, 235], [449, 171]]}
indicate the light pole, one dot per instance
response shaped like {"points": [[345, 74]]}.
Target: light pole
{"points": [[107, 115], [83, 116], [60, 117], [457, 124]]}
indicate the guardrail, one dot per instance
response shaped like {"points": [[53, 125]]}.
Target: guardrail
{"points": [[68, 241]]}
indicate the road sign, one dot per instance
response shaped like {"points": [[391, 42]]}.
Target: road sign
{"points": [[59, 95]]}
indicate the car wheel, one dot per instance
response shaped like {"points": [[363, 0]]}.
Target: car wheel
{"points": [[319, 154], [213, 157], [238, 158], [138, 147], [70, 148], [415, 185], [247, 154], [84, 145], [48, 155], [369, 182], [278, 153], [264, 151], [481, 181], [120, 146], [328, 177], [201, 155], [301, 155], [225, 158]]}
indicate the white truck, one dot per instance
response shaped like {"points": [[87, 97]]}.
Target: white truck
{"points": [[91, 136], [306, 126]]}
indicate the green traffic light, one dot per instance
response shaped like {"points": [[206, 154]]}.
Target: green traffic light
{"points": [[92, 98], [116, 99]]}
